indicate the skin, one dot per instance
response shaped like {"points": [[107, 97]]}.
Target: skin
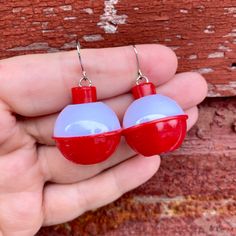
{"points": [[38, 187]]}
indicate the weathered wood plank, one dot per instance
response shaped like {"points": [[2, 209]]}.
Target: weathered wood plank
{"points": [[193, 193], [202, 33]]}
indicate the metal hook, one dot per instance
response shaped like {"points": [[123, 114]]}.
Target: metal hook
{"points": [[84, 78], [140, 74]]}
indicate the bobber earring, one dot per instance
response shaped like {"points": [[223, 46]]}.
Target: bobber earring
{"points": [[153, 123], [86, 132]]}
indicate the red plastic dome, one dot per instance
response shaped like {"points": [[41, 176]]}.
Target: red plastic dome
{"points": [[89, 150], [158, 136]]}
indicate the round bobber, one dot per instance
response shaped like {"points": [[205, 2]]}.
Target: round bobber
{"points": [[86, 132], [153, 123]]}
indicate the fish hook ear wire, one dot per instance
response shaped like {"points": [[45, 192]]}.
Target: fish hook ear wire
{"points": [[140, 76], [84, 74]]}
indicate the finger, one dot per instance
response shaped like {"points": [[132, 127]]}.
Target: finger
{"points": [[41, 83], [192, 117], [66, 202], [54, 164], [7, 123], [188, 89]]}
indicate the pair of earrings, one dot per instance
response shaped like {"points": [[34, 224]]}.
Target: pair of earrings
{"points": [[88, 132]]}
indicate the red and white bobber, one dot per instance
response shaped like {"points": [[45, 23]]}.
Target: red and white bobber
{"points": [[153, 123], [87, 132]]}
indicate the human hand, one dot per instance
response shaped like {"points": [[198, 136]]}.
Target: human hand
{"points": [[38, 186]]}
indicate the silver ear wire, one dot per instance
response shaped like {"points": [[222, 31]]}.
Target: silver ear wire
{"points": [[84, 74], [140, 76]]}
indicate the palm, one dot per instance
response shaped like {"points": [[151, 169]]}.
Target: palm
{"points": [[37, 185], [21, 179]]}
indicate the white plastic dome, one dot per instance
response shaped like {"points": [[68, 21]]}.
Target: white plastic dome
{"points": [[85, 119], [150, 108]]}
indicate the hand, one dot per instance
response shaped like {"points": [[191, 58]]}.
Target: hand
{"points": [[39, 187]]}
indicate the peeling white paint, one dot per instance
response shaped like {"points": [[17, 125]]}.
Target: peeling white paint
{"points": [[229, 88], [66, 8], [184, 11], [200, 8], [136, 8], [69, 45], [193, 57], [52, 50], [70, 18], [48, 10], [168, 209], [165, 202], [206, 70], [231, 34], [36, 23], [210, 29], [218, 90], [31, 47], [72, 36], [216, 55], [212, 91], [157, 199], [230, 10], [174, 48], [224, 48], [16, 9], [47, 31], [44, 25], [232, 84], [88, 10], [109, 21], [93, 38], [168, 40]]}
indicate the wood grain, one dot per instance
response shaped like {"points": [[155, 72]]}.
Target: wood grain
{"points": [[202, 33]]}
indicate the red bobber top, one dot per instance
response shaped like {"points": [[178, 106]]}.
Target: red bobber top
{"points": [[85, 94], [143, 89]]}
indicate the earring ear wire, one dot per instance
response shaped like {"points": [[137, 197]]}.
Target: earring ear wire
{"points": [[140, 76], [84, 74]]}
